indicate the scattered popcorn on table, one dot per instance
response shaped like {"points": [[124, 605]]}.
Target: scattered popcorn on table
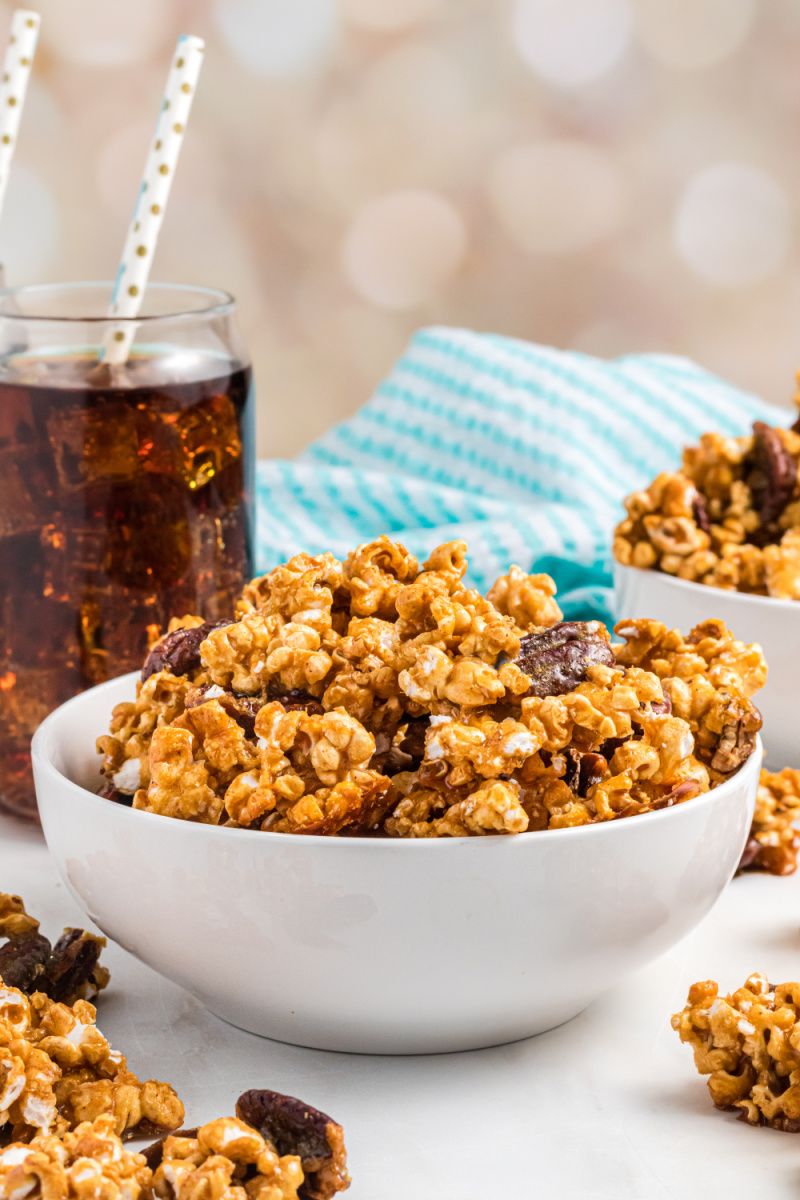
{"points": [[381, 697], [747, 1044], [88, 1163], [276, 1148], [729, 518], [57, 1070], [773, 842]]}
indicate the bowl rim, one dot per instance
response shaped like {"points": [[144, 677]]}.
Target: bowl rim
{"points": [[691, 585], [198, 829]]}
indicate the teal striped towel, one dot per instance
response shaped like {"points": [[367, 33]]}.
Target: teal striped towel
{"points": [[524, 451]]}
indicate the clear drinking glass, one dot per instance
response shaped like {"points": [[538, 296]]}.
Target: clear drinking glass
{"points": [[126, 492]]}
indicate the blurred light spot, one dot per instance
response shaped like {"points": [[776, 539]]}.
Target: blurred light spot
{"points": [[412, 122], [388, 15], [276, 37], [98, 34], [30, 229], [733, 225], [691, 34], [557, 197], [571, 42], [403, 248]]}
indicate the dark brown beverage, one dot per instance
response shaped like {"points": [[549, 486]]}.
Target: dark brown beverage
{"points": [[126, 498]]}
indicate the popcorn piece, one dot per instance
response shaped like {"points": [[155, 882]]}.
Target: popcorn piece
{"points": [[125, 750], [180, 783], [303, 591], [747, 1044], [313, 775], [374, 574], [247, 655], [493, 807], [528, 599], [773, 841], [84, 1164]]}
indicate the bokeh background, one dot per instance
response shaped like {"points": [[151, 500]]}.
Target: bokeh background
{"points": [[608, 175]]}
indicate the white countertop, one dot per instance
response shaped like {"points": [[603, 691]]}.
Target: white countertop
{"points": [[609, 1106]]}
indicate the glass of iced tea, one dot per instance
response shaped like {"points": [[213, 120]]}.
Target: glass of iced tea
{"points": [[126, 492]]}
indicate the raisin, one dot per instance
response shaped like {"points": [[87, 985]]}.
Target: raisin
{"points": [[557, 659]]}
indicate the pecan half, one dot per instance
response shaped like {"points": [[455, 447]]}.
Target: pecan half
{"points": [[700, 513], [584, 769], [557, 659], [179, 652], [73, 965], [296, 698], [23, 962], [109, 792], [773, 478], [738, 739], [296, 1128]]}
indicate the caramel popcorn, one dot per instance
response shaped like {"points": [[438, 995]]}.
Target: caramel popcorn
{"points": [[528, 599], [87, 1163], [276, 1148], [730, 518], [58, 1070], [773, 841], [377, 697], [747, 1044], [160, 699], [67, 972]]}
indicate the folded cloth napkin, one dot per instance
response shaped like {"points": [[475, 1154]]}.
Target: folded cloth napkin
{"points": [[524, 451]]}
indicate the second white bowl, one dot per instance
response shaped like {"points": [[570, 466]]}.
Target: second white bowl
{"points": [[774, 624], [382, 946]]}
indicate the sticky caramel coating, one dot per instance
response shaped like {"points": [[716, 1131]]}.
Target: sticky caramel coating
{"points": [[747, 1043], [227, 1159], [82, 1164], [730, 518], [528, 599], [773, 842], [159, 701], [521, 721], [58, 1070]]}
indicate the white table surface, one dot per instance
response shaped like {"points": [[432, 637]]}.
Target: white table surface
{"points": [[609, 1106]]}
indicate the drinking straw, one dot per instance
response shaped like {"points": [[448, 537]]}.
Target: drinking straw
{"points": [[16, 73], [140, 243]]}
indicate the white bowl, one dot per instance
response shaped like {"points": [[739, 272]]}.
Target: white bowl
{"points": [[381, 946], [774, 624]]}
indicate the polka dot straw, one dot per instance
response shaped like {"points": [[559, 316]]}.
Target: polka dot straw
{"points": [[16, 72], [148, 214]]}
